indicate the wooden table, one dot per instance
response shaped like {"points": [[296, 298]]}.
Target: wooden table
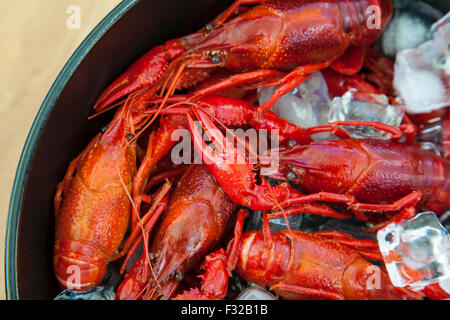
{"points": [[37, 38]]}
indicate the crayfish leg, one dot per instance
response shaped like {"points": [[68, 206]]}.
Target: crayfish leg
{"points": [[218, 266], [405, 214], [230, 111], [292, 291], [146, 223], [159, 144], [446, 136], [333, 128], [64, 185]]}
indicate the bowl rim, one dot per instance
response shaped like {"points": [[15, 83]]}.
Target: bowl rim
{"points": [[15, 204]]}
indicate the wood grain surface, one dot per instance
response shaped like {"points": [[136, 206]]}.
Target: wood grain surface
{"points": [[37, 39]]}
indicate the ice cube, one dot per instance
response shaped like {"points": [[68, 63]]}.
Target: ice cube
{"points": [[416, 252], [112, 277], [346, 108], [255, 222], [306, 106], [255, 293], [409, 27], [95, 293], [422, 75]]}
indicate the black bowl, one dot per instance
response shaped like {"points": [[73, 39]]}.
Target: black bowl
{"points": [[61, 129]]}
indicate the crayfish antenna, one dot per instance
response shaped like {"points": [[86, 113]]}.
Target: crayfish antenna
{"points": [[218, 266], [351, 62]]}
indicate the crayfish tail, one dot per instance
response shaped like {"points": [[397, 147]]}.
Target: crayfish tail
{"points": [[78, 266]]}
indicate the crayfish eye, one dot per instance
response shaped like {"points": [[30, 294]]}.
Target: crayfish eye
{"points": [[103, 130], [209, 27], [130, 136]]}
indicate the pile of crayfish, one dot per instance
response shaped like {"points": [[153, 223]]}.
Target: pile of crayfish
{"points": [[124, 195]]}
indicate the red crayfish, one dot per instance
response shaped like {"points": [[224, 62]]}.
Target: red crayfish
{"points": [[259, 44]]}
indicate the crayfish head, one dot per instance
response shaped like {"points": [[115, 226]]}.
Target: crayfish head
{"points": [[327, 166]]}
